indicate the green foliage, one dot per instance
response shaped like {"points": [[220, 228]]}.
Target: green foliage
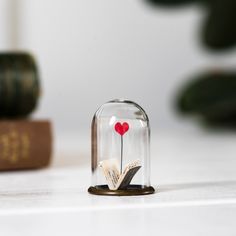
{"points": [[170, 2], [212, 96], [219, 28], [19, 85]]}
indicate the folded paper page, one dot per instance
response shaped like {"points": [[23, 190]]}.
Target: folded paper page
{"points": [[114, 179]]}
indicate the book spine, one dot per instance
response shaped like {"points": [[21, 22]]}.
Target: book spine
{"points": [[25, 144]]}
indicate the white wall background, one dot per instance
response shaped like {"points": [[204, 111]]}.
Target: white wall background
{"points": [[90, 52]]}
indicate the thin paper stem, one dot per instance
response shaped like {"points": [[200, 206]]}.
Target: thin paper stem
{"points": [[121, 153]]}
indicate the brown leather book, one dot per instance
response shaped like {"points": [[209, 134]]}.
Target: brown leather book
{"points": [[25, 144]]}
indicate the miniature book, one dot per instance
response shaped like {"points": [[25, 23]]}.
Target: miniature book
{"points": [[115, 179]]}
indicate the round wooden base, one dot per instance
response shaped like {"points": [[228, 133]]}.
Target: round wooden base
{"points": [[131, 190]]}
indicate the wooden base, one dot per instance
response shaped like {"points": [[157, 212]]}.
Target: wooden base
{"points": [[131, 190]]}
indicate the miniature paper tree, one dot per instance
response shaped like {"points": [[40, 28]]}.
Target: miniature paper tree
{"points": [[121, 129]]}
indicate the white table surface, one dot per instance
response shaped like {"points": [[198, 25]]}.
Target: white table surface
{"points": [[194, 174]]}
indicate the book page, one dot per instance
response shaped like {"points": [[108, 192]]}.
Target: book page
{"points": [[128, 174], [110, 169]]}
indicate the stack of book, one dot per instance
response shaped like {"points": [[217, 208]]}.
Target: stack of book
{"points": [[24, 143]]}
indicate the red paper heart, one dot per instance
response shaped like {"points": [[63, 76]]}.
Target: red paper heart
{"points": [[121, 128]]}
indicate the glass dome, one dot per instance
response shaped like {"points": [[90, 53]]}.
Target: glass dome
{"points": [[120, 150]]}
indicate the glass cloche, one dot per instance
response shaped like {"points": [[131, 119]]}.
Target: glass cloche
{"points": [[120, 150]]}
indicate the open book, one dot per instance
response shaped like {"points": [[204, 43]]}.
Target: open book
{"points": [[115, 179]]}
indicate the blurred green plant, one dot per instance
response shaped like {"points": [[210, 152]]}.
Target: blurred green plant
{"points": [[212, 96], [170, 2], [219, 27], [19, 85]]}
